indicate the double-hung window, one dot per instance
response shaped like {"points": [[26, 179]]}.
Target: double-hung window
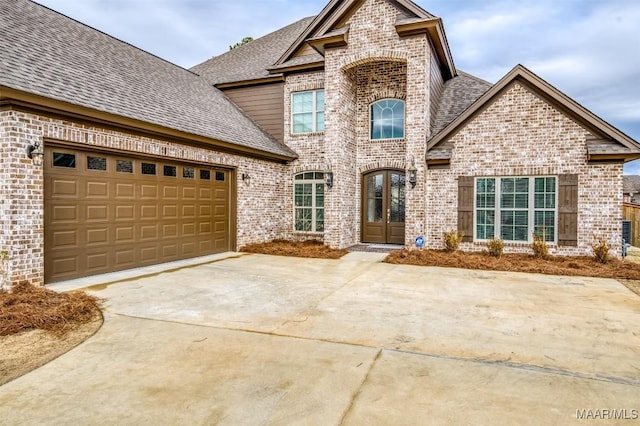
{"points": [[307, 111], [308, 200], [516, 208]]}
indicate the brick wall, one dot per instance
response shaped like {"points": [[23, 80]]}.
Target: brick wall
{"points": [[259, 207], [521, 135], [376, 64]]}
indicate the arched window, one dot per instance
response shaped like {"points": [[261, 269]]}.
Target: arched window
{"points": [[308, 201], [387, 119]]}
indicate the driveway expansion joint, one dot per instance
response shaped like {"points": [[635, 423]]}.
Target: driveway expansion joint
{"points": [[358, 391]]}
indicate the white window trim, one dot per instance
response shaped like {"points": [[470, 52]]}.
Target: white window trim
{"points": [[404, 118], [314, 112], [314, 207], [497, 209]]}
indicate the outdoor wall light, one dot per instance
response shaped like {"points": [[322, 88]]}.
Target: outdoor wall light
{"points": [[246, 178], [413, 175], [36, 153], [328, 177]]}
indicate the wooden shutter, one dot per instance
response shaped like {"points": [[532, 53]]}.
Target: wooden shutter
{"points": [[568, 210], [465, 207]]}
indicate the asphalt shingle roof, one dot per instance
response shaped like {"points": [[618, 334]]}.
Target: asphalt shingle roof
{"points": [[45, 53], [252, 60], [631, 184], [458, 95]]}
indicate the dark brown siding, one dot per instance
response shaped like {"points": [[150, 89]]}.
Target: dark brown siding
{"points": [[568, 210], [264, 104], [465, 207]]}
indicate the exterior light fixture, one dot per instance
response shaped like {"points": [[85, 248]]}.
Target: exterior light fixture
{"points": [[413, 175], [36, 153], [328, 177], [246, 178]]}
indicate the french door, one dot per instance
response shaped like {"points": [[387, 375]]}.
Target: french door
{"points": [[383, 204]]}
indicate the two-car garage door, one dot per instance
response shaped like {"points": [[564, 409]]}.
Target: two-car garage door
{"points": [[106, 212]]}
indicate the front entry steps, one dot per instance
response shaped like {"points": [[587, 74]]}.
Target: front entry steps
{"points": [[375, 248]]}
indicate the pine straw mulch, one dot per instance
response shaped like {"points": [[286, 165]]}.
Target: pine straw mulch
{"points": [[28, 307], [309, 248], [555, 265]]}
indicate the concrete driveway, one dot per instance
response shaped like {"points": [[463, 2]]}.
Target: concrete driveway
{"points": [[264, 340]]}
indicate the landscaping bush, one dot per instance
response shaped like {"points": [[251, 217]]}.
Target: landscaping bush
{"points": [[495, 247], [539, 246], [452, 240], [601, 250]]}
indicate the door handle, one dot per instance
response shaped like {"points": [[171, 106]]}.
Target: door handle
{"points": [[388, 215]]}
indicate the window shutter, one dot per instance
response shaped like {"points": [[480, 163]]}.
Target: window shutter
{"points": [[465, 207], [568, 210]]}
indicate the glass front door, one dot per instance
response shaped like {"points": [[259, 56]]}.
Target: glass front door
{"points": [[383, 207]]}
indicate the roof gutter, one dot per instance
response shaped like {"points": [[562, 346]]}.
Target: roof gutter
{"points": [[14, 98]]}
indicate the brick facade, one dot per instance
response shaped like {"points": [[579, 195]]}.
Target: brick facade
{"points": [[376, 64], [518, 134], [521, 135], [259, 203]]}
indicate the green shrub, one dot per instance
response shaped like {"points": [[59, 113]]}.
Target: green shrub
{"points": [[539, 246], [600, 250], [495, 247], [452, 240]]}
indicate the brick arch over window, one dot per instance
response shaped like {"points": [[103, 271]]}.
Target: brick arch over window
{"points": [[382, 165], [362, 58], [308, 167], [385, 94]]}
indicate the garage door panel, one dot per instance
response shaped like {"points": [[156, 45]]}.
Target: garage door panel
{"points": [[125, 257], [205, 211], [149, 191], [65, 265], [189, 193], [149, 255], [169, 251], [170, 192], [189, 229], [188, 211], [65, 188], [148, 232], [206, 194], [62, 213], [97, 189], [97, 236], [125, 190], [170, 211], [189, 249], [170, 231], [97, 212], [106, 213], [125, 212], [125, 234], [97, 262], [66, 239], [205, 245], [149, 212]]}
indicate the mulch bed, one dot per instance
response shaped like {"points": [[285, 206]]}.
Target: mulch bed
{"points": [[555, 265], [28, 307], [309, 248]]}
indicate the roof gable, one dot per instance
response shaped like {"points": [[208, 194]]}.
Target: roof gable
{"points": [[330, 29], [606, 143]]}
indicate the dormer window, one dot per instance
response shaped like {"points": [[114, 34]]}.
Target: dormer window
{"points": [[307, 111], [387, 119]]}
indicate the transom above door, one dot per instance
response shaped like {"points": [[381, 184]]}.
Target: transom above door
{"points": [[383, 207]]}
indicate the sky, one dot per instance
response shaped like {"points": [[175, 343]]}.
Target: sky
{"points": [[588, 49]]}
